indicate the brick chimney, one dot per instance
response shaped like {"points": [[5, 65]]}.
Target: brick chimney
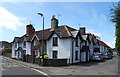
{"points": [[82, 30], [54, 23], [30, 29]]}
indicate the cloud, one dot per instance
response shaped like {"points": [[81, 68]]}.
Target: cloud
{"points": [[1, 34], [8, 20], [111, 43]]}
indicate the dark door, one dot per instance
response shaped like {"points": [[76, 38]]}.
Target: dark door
{"points": [[55, 54]]}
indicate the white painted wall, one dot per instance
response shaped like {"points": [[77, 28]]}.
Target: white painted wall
{"points": [[27, 48], [63, 48], [103, 48], [83, 56], [13, 50], [91, 49], [76, 49]]}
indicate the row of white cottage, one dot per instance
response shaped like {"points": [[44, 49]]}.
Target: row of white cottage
{"points": [[59, 42]]}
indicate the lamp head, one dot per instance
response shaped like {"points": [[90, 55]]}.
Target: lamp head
{"points": [[40, 14]]}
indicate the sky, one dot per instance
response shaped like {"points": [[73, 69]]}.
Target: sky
{"points": [[95, 16]]}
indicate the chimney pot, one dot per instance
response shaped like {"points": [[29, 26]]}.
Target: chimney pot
{"points": [[54, 23], [82, 30], [30, 29], [53, 16]]}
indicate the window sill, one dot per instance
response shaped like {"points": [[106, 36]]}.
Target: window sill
{"points": [[76, 59], [55, 45]]}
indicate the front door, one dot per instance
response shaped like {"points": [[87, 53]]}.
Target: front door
{"points": [[55, 54]]}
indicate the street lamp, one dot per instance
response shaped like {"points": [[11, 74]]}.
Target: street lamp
{"points": [[42, 39]]}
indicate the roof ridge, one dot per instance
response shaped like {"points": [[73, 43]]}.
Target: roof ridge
{"points": [[67, 30], [42, 30], [104, 43]]}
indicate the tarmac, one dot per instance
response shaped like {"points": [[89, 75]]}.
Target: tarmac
{"points": [[109, 67]]}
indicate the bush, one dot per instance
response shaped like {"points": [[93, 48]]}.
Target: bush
{"points": [[45, 56]]}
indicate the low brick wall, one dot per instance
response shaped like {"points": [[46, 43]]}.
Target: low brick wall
{"points": [[37, 60], [47, 61], [55, 62], [29, 59]]}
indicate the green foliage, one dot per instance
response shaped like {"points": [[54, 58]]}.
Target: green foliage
{"points": [[115, 18], [45, 56], [8, 49]]}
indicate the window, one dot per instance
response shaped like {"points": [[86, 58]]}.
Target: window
{"points": [[35, 42], [76, 55], [15, 45], [55, 41], [24, 44], [76, 43], [55, 54], [2, 46], [24, 51]]}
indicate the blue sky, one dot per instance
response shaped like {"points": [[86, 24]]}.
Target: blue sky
{"points": [[14, 16]]}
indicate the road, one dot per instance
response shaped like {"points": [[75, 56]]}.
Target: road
{"points": [[108, 67], [10, 67]]}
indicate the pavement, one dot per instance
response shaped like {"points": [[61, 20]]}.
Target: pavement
{"points": [[108, 67]]}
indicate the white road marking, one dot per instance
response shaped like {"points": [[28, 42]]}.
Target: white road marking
{"points": [[40, 72], [3, 69]]}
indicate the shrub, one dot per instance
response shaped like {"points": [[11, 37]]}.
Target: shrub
{"points": [[45, 56]]}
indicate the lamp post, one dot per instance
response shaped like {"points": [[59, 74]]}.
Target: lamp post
{"points": [[42, 39]]}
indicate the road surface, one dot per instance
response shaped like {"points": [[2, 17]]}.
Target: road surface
{"points": [[10, 67]]}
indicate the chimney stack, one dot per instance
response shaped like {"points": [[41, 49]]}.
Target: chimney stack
{"points": [[82, 30], [54, 23], [30, 29]]}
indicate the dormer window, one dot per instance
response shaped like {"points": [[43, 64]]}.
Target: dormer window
{"points": [[24, 44], [55, 41]]}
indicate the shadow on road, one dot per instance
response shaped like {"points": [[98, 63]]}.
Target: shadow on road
{"points": [[90, 63]]}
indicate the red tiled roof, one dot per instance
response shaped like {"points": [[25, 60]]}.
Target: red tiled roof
{"points": [[102, 43], [63, 32]]}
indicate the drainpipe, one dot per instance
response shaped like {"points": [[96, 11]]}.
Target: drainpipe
{"points": [[72, 49]]}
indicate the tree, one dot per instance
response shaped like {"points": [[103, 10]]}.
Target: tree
{"points": [[8, 49], [115, 18]]}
